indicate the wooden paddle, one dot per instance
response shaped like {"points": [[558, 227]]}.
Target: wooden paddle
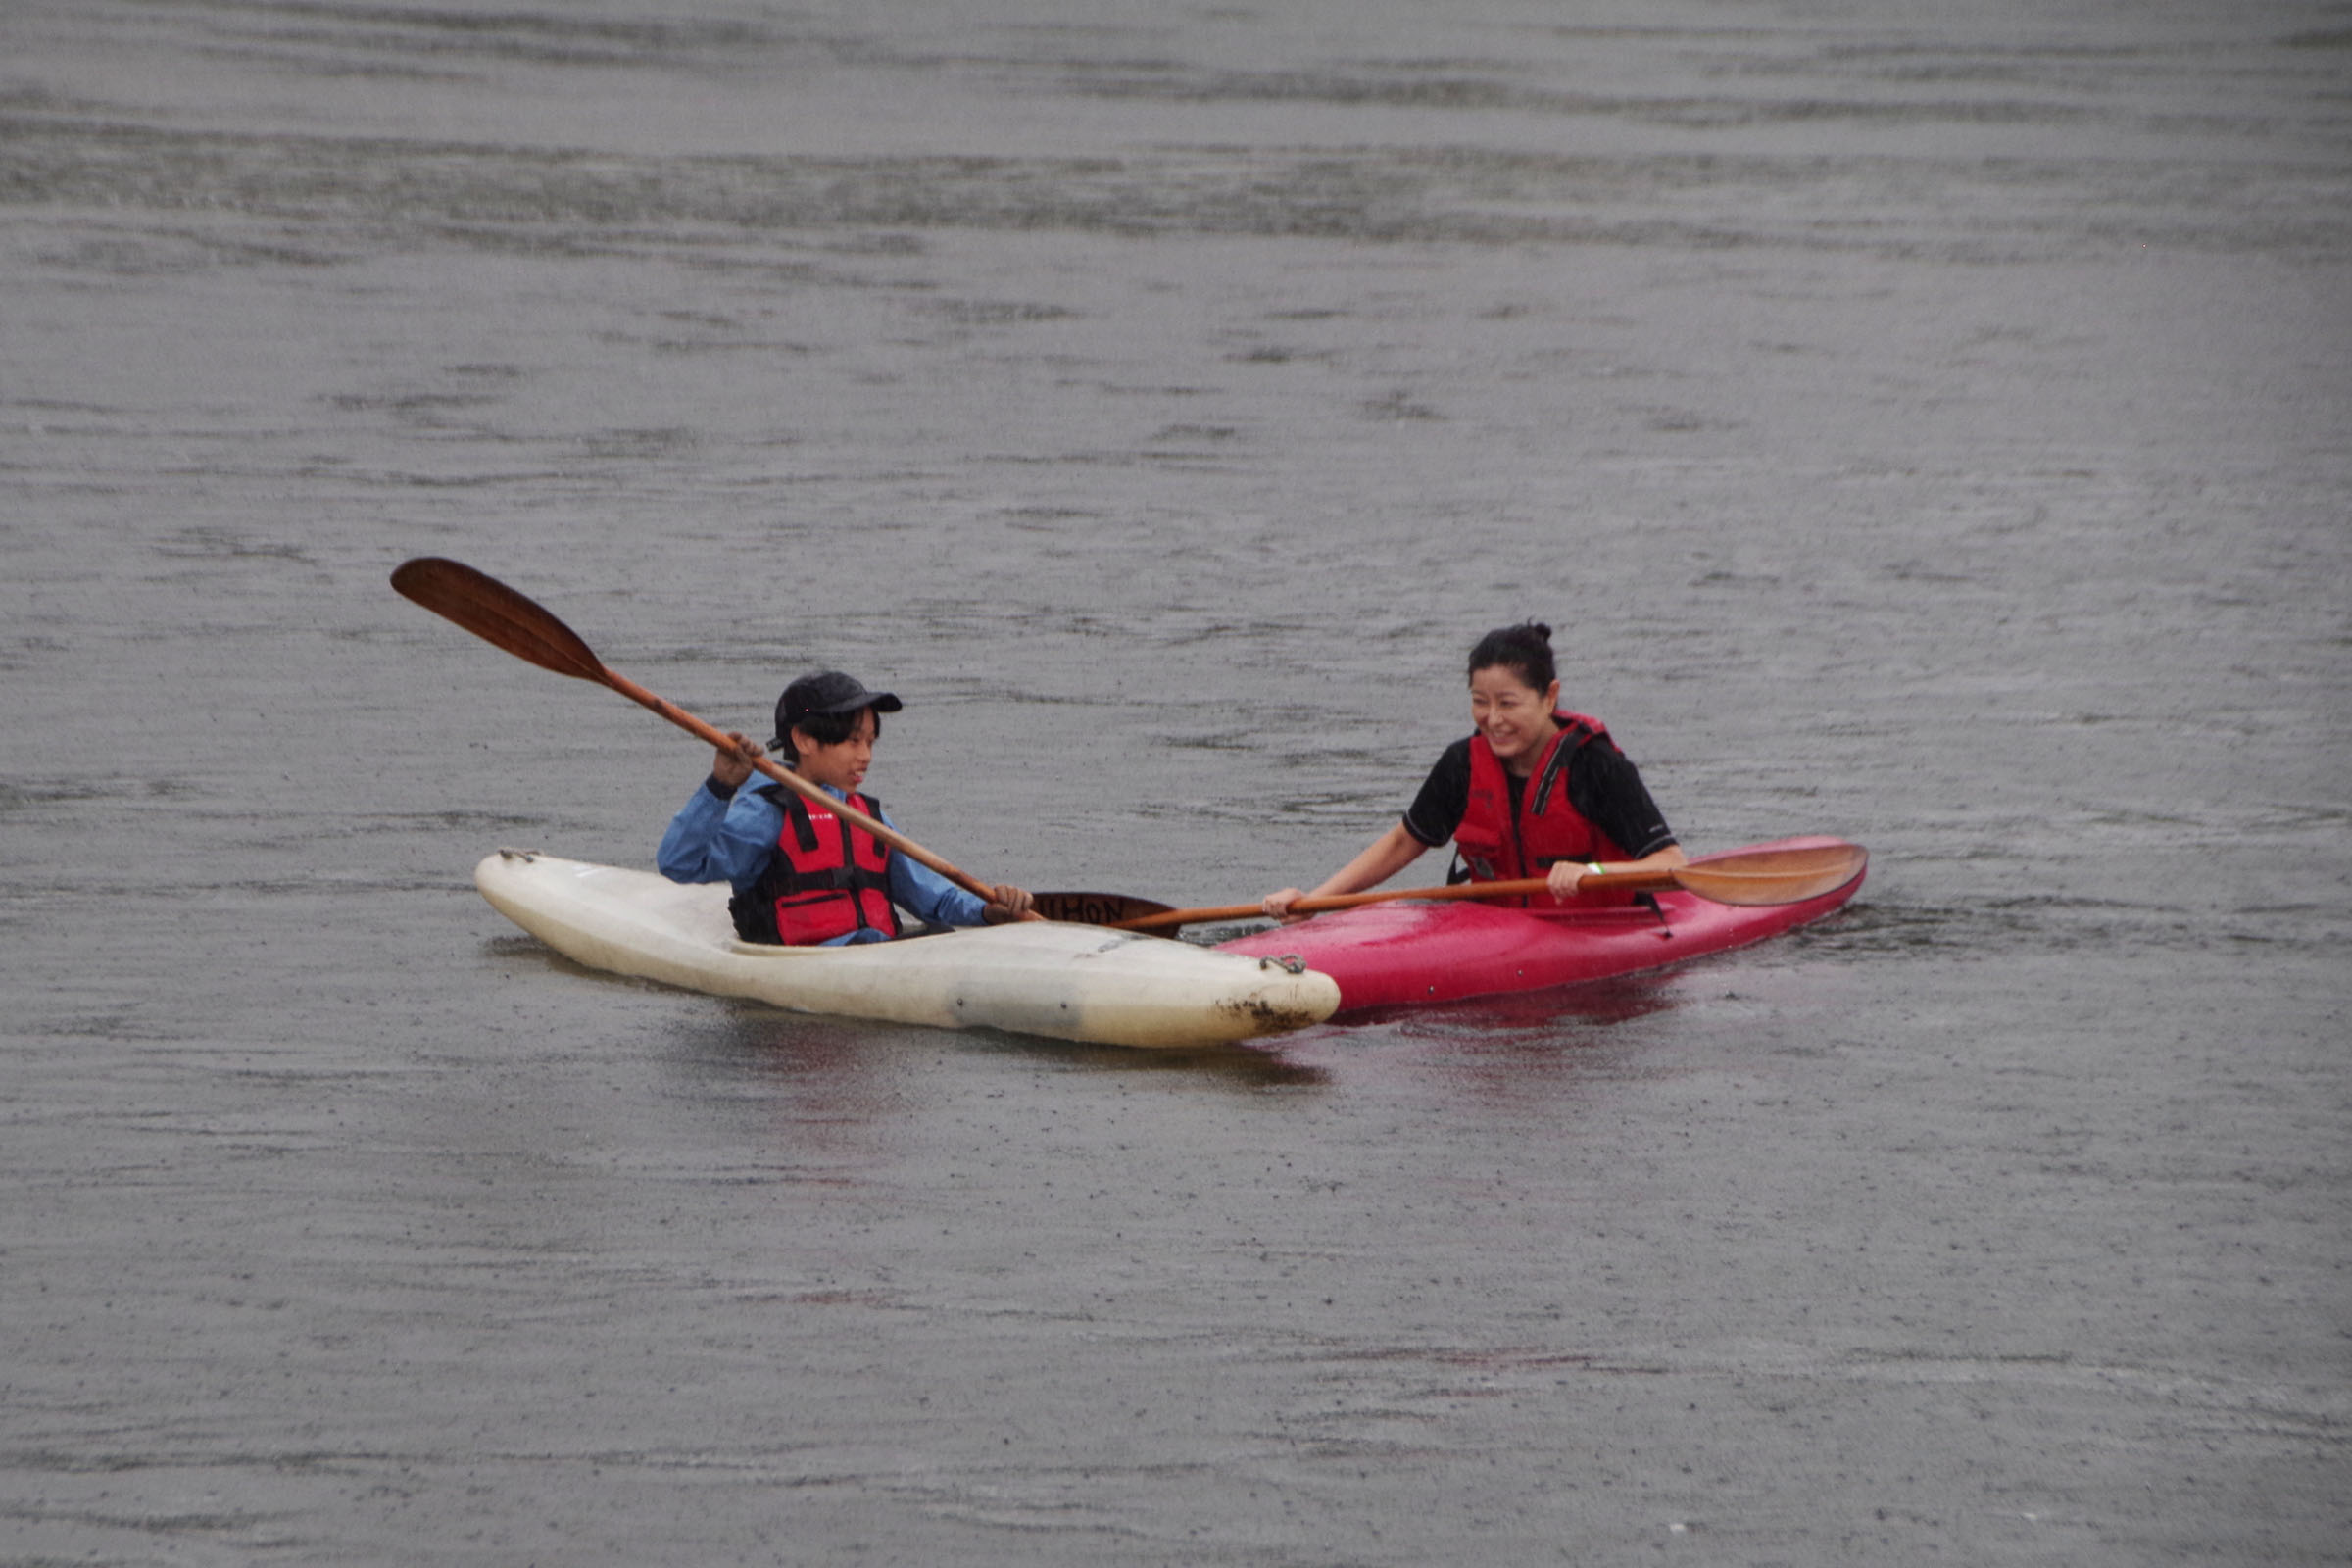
{"points": [[1761, 876], [496, 614], [1098, 908]]}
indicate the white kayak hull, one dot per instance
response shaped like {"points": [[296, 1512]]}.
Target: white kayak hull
{"points": [[1041, 977]]}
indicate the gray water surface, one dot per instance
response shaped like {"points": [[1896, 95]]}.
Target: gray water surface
{"points": [[1921, 424]]}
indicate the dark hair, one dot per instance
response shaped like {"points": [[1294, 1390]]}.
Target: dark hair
{"points": [[826, 729], [1525, 650]]}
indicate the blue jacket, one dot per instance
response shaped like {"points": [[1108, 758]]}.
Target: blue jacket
{"points": [[723, 835]]}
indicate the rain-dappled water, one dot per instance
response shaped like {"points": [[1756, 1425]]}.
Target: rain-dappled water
{"points": [[1923, 423]]}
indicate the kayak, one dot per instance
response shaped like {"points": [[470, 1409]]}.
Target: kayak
{"points": [[1038, 977], [1413, 951]]}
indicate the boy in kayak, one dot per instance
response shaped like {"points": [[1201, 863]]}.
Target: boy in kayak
{"points": [[802, 876], [1536, 792]]}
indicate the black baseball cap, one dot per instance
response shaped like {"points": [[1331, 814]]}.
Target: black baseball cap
{"points": [[828, 691]]}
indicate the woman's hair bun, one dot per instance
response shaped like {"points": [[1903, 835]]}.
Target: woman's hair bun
{"points": [[1523, 648]]}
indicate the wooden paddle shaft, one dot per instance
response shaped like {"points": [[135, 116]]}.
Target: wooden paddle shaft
{"points": [[1622, 881]]}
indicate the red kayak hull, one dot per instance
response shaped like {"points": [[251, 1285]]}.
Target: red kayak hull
{"points": [[1392, 954]]}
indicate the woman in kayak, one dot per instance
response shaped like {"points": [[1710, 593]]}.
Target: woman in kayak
{"points": [[1537, 792], [802, 876]]}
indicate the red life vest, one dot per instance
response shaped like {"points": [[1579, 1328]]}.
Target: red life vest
{"points": [[1499, 848], [828, 877]]}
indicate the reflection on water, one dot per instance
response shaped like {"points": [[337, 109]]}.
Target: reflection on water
{"points": [[1244, 1067], [848, 1068], [1558, 1015]]}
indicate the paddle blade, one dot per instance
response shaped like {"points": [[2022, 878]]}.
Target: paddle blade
{"points": [[1095, 908], [496, 614], [1774, 876]]}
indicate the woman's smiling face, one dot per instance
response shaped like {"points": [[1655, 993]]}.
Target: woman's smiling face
{"points": [[1514, 718]]}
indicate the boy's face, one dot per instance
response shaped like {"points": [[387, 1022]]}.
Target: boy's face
{"points": [[842, 765]]}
